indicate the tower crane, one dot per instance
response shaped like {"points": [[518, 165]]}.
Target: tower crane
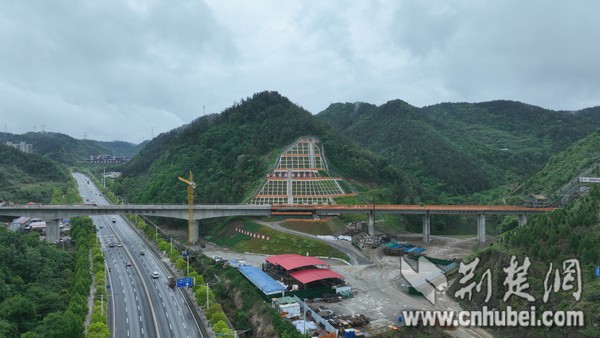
{"points": [[190, 190]]}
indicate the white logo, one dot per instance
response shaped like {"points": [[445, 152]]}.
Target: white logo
{"points": [[428, 279]]}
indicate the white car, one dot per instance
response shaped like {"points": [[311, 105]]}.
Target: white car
{"points": [[154, 274]]}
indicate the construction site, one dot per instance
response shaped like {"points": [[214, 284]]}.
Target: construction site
{"points": [[321, 295]]}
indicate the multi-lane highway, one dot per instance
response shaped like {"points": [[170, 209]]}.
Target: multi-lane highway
{"points": [[140, 304]]}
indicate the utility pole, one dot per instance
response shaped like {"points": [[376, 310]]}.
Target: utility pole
{"points": [[207, 297]]}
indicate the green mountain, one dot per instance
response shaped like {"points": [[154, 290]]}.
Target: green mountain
{"points": [[67, 150], [558, 247], [28, 177], [459, 149], [566, 240], [562, 169], [230, 153]]}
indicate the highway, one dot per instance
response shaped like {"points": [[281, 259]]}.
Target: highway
{"points": [[139, 305]]}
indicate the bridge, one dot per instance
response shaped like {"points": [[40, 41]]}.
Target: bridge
{"points": [[53, 213]]}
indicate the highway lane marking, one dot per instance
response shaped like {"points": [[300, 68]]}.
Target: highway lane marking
{"points": [[140, 319]]}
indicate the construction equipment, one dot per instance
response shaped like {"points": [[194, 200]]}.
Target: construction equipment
{"points": [[190, 190]]}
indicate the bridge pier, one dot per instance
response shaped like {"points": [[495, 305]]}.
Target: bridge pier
{"points": [[52, 231], [193, 233], [426, 229], [371, 224], [481, 228], [522, 219]]}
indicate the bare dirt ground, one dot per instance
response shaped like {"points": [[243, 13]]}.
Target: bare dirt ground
{"points": [[380, 291], [445, 247]]}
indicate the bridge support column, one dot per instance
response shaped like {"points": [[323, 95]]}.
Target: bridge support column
{"points": [[193, 233], [52, 231], [290, 196], [371, 224], [426, 229], [481, 228], [522, 220]]}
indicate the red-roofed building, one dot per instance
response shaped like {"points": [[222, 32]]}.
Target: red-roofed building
{"points": [[312, 275], [302, 272], [295, 261]]}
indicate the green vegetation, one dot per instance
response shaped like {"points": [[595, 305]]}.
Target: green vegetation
{"points": [[29, 177], [87, 245], [572, 232], [279, 242], [458, 149], [67, 150], [329, 227], [230, 153], [565, 166], [43, 289]]}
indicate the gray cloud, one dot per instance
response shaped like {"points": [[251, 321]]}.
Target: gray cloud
{"points": [[122, 69]]}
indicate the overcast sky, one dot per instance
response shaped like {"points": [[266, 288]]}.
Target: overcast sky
{"points": [[128, 70]]}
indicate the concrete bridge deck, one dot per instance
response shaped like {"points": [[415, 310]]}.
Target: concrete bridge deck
{"points": [[204, 211]]}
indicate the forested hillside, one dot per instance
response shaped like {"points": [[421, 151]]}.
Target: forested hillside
{"points": [[29, 177], [463, 148], [67, 150], [566, 241], [567, 165], [229, 154], [35, 283]]}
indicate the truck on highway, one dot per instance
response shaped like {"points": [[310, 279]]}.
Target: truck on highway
{"points": [[171, 282]]}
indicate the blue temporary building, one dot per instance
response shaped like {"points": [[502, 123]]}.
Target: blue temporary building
{"points": [[262, 281]]}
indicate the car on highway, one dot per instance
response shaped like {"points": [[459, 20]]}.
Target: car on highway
{"points": [[128, 263], [111, 244], [154, 274], [119, 245], [142, 253], [114, 219]]}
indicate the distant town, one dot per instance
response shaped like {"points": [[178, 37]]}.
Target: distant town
{"points": [[108, 159]]}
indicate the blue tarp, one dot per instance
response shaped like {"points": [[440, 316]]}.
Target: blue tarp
{"points": [[264, 282], [405, 247]]}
